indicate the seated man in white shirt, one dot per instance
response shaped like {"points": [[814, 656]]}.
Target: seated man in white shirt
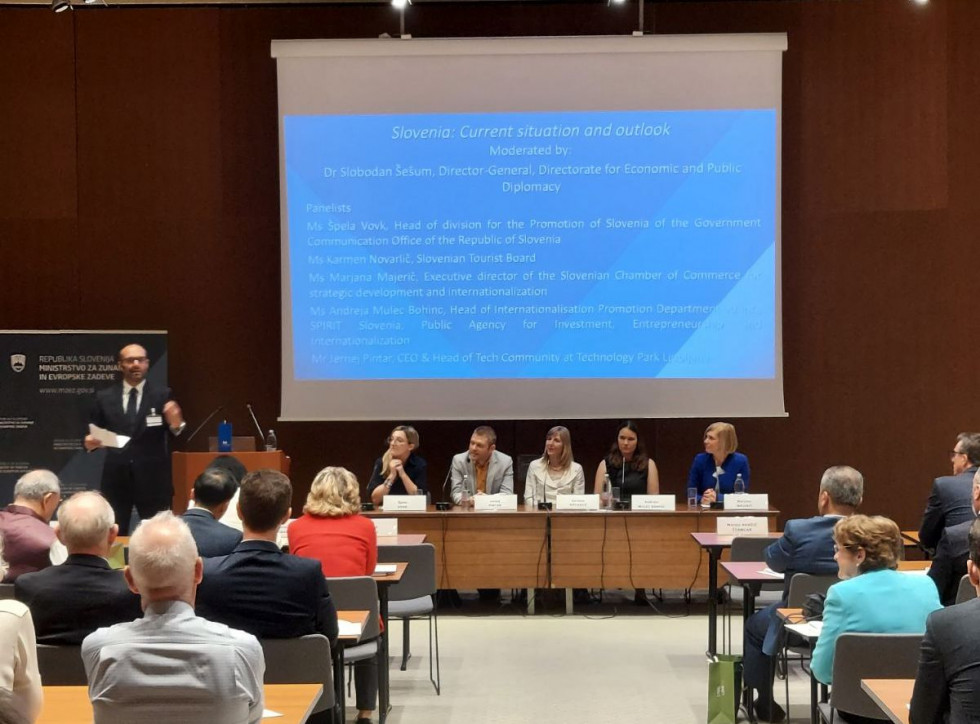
{"points": [[201, 671]]}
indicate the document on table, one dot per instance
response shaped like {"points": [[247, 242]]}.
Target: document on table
{"points": [[348, 628], [107, 437], [808, 630], [269, 714], [767, 571], [383, 569]]}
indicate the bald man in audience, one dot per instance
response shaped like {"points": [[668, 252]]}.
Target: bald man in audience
{"points": [[24, 524], [949, 501], [70, 601], [201, 671], [947, 685]]}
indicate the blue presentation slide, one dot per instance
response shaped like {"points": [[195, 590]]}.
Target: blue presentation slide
{"points": [[612, 244]]}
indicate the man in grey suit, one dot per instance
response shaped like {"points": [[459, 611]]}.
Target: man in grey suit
{"points": [[486, 470], [213, 491], [949, 502], [947, 685]]}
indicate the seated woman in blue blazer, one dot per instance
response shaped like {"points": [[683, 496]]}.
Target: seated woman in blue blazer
{"points": [[718, 463], [871, 597]]}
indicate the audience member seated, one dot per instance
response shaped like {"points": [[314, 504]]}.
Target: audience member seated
{"points": [[332, 531], [70, 601], [714, 471], [24, 524], [949, 563], [257, 588], [486, 470], [947, 685], [400, 471], [20, 681], [237, 469], [213, 491], [202, 672], [806, 546], [628, 466], [871, 597], [555, 472], [949, 502]]}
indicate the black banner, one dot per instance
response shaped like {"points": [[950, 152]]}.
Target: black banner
{"points": [[48, 381]]}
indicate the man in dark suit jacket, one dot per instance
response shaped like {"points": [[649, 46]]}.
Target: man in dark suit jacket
{"points": [[213, 491], [947, 685], [806, 546], [70, 601], [257, 588], [949, 502], [139, 473], [949, 563]]}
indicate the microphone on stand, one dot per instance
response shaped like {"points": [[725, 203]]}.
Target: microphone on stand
{"points": [[255, 420], [207, 419]]}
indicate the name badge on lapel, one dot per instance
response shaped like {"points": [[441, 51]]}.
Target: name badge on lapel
{"points": [[153, 419]]}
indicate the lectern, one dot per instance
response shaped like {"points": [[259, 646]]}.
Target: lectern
{"points": [[187, 466]]}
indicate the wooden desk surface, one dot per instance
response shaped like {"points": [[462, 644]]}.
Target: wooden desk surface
{"points": [[402, 539], [914, 565], [892, 695], [392, 577], [749, 571], [711, 540], [70, 704], [356, 617], [911, 537]]}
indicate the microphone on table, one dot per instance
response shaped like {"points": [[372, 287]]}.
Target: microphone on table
{"points": [[445, 504], [207, 419]]}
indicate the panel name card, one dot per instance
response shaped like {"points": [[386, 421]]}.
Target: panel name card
{"points": [[494, 502], [385, 527], [742, 525], [654, 502], [577, 502], [747, 501], [408, 503]]}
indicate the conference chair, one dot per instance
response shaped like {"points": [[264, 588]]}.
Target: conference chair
{"points": [[6, 590], [867, 656], [966, 591], [414, 597], [61, 665], [360, 593], [801, 585], [303, 660]]}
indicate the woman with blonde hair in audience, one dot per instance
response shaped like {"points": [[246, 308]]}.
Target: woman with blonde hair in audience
{"points": [[19, 676], [555, 472], [333, 531], [872, 596]]}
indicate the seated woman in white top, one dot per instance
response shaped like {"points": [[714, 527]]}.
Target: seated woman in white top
{"points": [[20, 681], [555, 472]]}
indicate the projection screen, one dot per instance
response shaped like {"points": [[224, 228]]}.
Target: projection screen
{"points": [[525, 228]]}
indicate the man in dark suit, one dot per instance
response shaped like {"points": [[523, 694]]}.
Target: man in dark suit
{"points": [[806, 546], [70, 601], [213, 491], [949, 502], [138, 473], [947, 685], [257, 588], [949, 564]]}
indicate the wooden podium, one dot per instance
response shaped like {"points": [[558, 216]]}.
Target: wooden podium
{"points": [[187, 466]]}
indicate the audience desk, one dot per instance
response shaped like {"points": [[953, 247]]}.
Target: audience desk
{"points": [[70, 704], [892, 695]]}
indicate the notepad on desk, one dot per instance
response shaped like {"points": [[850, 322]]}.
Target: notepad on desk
{"points": [[809, 630], [383, 569], [348, 628], [767, 571]]}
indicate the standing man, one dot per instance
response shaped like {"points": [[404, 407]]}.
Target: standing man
{"points": [[950, 501], [139, 473], [487, 470]]}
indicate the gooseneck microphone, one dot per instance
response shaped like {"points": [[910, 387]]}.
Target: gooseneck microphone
{"points": [[207, 419], [255, 420]]}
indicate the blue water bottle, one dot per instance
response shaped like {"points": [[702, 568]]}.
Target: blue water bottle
{"points": [[224, 437]]}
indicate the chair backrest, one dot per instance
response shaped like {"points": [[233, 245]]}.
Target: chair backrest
{"points": [[870, 656], [802, 585], [749, 548], [358, 593], [61, 665], [966, 591], [303, 660], [420, 576], [523, 463], [6, 590]]}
